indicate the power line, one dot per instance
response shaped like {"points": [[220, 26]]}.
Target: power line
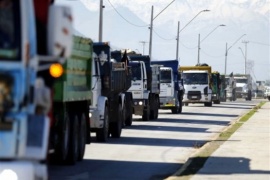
{"points": [[260, 43], [212, 55], [124, 17], [166, 39], [188, 47]]}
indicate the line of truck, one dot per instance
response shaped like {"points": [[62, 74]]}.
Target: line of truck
{"points": [[56, 89]]}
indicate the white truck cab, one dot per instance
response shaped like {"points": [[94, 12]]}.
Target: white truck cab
{"points": [[197, 84]]}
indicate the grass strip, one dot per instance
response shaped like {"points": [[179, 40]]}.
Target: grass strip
{"points": [[196, 162]]}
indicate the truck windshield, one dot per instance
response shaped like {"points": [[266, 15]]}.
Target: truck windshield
{"points": [[241, 81], [10, 41], [165, 76], [136, 71], [195, 78]]}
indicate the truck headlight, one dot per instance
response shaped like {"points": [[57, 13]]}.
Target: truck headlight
{"points": [[90, 115], [8, 174], [140, 103]]}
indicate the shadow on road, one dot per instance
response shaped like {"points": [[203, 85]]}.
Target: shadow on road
{"points": [[113, 170], [142, 141], [221, 165], [167, 128], [194, 121], [210, 114]]}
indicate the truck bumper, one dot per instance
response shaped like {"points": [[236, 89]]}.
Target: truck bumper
{"points": [[197, 99], [167, 102], [139, 105], [95, 120], [21, 170], [242, 94]]}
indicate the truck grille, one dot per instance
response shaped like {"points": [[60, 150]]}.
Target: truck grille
{"points": [[239, 89], [194, 95]]}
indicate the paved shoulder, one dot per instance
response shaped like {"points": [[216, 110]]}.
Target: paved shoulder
{"points": [[246, 155]]}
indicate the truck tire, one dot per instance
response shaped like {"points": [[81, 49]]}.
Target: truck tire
{"points": [[156, 108], [102, 134], [186, 104], [73, 136], [129, 111], [82, 137], [175, 110], [116, 127], [146, 114], [180, 106], [268, 98], [208, 104], [61, 151]]}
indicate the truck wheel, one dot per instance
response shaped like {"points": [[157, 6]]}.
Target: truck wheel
{"points": [[208, 104], [186, 104], [129, 111], [180, 106], [73, 136], [116, 127], [82, 137], [61, 151], [102, 134], [128, 120], [156, 108], [268, 98], [174, 110], [146, 114]]}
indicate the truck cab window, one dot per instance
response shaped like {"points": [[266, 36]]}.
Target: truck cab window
{"points": [[136, 71], [165, 76], [10, 40]]}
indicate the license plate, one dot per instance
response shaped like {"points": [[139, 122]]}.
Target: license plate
{"points": [[193, 96]]}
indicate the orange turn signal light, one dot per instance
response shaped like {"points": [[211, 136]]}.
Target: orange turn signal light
{"points": [[56, 70]]}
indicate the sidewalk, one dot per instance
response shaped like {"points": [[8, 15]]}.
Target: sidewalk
{"points": [[245, 155]]}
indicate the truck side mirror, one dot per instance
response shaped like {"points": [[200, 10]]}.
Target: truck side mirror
{"points": [[60, 31]]}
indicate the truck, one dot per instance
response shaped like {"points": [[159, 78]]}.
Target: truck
{"points": [[171, 87], [197, 84], [110, 80], [223, 87], [145, 87], [230, 88], [121, 56], [243, 86], [216, 87], [25, 59]]}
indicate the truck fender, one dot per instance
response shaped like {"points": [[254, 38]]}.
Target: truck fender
{"points": [[101, 105]]}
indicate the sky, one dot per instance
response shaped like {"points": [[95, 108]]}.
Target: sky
{"points": [[126, 26]]}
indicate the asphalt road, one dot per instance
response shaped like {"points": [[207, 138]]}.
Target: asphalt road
{"points": [[154, 149]]}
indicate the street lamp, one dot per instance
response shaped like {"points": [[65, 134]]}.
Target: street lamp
{"points": [[199, 42], [178, 31], [151, 26], [227, 50], [143, 43]]}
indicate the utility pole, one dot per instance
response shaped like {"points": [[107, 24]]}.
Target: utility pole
{"points": [[151, 26], [246, 42], [143, 43], [226, 54], [151, 33], [100, 21], [199, 50], [177, 40]]}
